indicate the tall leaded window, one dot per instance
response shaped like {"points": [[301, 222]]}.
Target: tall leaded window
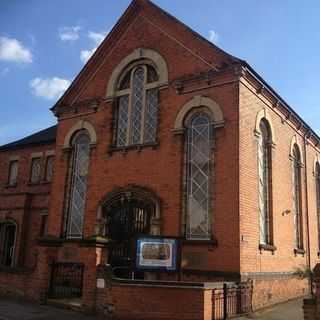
{"points": [[78, 184], [137, 107], [297, 206], [265, 182], [198, 222], [317, 176]]}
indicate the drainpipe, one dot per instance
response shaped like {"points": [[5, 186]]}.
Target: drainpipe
{"points": [[307, 210]]}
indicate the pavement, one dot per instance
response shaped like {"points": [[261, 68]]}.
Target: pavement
{"points": [[291, 310], [17, 310]]}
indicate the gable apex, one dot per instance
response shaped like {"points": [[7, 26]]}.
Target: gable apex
{"points": [[166, 24]]}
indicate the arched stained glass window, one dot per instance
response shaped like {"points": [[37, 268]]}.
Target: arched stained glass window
{"points": [[265, 182], [137, 107], [297, 197], [198, 222], [78, 184]]}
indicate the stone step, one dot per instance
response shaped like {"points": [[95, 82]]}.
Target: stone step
{"points": [[69, 304]]}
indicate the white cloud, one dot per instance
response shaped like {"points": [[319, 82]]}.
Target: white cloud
{"points": [[13, 50], [50, 88], [69, 33], [213, 36], [96, 38], [85, 55]]}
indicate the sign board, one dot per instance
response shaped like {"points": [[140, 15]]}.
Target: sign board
{"points": [[101, 283], [157, 254]]}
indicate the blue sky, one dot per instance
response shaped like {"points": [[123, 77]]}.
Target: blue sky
{"points": [[43, 45]]}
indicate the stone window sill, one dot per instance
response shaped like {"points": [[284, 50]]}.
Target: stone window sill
{"points": [[8, 186], [137, 147], [299, 251], [212, 242], [14, 269], [31, 184], [267, 247], [45, 182]]}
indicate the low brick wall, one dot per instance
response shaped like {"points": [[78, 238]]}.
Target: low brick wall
{"points": [[20, 284], [268, 292], [157, 302]]}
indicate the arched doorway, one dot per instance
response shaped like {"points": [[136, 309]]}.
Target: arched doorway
{"points": [[127, 215]]}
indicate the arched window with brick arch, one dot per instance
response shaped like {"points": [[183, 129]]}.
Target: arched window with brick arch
{"points": [[78, 174], [137, 106], [317, 180], [197, 121], [198, 161], [265, 182], [297, 196]]}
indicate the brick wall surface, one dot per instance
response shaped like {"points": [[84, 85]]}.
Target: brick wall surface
{"points": [[283, 259], [143, 302], [235, 216]]}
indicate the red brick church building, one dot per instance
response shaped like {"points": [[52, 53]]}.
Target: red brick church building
{"points": [[163, 134]]}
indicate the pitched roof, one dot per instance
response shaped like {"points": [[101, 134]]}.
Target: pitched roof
{"points": [[45, 136]]}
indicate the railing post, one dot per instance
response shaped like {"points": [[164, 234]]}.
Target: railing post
{"points": [[225, 301], [239, 292]]}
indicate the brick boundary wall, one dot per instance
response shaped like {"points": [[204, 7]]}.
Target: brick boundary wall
{"points": [[142, 301], [267, 292]]}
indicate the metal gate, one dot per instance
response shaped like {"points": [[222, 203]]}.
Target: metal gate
{"points": [[66, 280], [126, 218], [232, 300]]}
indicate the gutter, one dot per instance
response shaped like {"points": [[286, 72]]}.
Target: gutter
{"points": [[267, 87]]}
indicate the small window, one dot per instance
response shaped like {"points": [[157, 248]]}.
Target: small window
{"points": [[44, 223], [49, 168], [13, 173], [7, 243], [35, 170]]}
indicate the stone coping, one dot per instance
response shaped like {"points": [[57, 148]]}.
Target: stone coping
{"points": [[171, 284]]}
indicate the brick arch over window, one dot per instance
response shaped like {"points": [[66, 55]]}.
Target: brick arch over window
{"points": [[295, 143], [196, 102], [140, 54], [264, 114], [81, 125]]}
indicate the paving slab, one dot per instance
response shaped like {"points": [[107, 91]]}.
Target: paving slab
{"points": [[291, 310], [20, 310]]}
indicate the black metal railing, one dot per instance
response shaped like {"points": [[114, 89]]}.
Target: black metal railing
{"points": [[231, 300], [66, 280]]}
